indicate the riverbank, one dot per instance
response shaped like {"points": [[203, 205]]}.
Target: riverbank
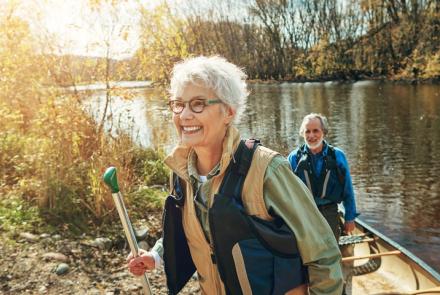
{"points": [[58, 264], [343, 80]]}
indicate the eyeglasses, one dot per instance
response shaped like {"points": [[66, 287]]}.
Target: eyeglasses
{"points": [[196, 105]]}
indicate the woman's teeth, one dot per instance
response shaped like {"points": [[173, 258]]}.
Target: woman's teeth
{"points": [[191, 128]]}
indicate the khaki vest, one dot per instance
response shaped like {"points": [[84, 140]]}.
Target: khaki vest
{"points": [[252, 195]]}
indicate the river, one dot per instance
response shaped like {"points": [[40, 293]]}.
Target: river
{"points": [[389, 132]]}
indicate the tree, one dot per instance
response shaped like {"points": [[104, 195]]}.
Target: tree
{"points": [[162, 44]]}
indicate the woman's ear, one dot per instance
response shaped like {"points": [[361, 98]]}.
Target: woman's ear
{"points": [[229, 115]]}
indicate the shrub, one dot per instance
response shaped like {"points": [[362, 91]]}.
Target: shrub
{"points": [[18, 215], [149, 168]]}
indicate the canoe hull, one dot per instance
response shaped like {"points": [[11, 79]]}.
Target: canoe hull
{"points": [[402, 273]]}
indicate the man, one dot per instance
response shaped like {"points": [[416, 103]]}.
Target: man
{"points": [[324, 169]]}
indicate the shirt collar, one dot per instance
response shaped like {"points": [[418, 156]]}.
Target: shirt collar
{"points": [[192, 168]]}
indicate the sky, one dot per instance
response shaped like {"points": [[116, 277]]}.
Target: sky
{"points": [[75, 28], [78, 29]]}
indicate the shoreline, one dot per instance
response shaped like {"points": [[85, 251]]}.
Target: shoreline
{"points": [[408, 81]]}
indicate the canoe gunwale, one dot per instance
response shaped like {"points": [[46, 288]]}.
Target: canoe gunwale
{"points": [[405, 252]]}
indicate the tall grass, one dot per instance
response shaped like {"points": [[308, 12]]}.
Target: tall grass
{"points": [[52, 153], [57, 162]]}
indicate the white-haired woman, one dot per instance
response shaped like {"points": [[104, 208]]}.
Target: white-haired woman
{"points": [[208, 94]]}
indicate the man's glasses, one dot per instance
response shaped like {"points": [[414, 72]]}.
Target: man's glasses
{"points": [[196, 105]]}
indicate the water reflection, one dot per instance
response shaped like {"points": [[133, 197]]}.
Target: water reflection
{"points": [[125, 112], [390, 133]]}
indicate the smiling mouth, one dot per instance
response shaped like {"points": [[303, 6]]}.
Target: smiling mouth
{"points": [[191, 129]]}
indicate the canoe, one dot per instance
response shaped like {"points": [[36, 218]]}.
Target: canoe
{"points": [[375, 264]]}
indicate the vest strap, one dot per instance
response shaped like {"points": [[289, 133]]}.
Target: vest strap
{"points": [[232, 185]]}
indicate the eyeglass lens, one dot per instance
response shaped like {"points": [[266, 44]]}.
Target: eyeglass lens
{"points": [[196, 105]]}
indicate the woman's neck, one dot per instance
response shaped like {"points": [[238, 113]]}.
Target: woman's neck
{"points": [[207, 159]]}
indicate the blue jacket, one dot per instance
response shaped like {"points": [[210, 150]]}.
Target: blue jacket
{"points": [[317, 160]]}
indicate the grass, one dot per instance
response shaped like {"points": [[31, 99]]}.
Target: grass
{"points": [[17, 215]]}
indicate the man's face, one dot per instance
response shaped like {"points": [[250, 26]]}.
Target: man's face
{"points": [[313, 134]]}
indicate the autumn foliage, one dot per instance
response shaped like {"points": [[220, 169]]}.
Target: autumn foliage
{"points": [[302, 40]]}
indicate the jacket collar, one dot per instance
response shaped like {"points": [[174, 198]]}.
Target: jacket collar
{"points": [[178, 159]]}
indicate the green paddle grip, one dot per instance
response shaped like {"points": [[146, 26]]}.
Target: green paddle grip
{"points": [[111, 180]]}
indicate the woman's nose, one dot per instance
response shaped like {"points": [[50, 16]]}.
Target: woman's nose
{"points": [[186, 113]]}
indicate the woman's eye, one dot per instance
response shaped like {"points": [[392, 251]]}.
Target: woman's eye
{"points": [[198, 103]]}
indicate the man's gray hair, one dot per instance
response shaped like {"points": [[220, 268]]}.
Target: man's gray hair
{"points": [[227, 80], [311, 116]]}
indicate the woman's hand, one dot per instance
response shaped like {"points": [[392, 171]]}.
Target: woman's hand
{"points": [[143, 262]]}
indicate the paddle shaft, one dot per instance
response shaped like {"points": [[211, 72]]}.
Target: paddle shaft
{"points": [[129, 234], [351, 258]]}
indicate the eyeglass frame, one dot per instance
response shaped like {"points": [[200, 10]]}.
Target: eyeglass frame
{"points": [[206, 102]]}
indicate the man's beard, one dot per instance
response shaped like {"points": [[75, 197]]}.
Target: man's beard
{"points": [[315, 145]]}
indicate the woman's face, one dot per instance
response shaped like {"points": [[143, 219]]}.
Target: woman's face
{"points": [[206, 129]]}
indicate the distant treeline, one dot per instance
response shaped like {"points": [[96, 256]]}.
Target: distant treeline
{"points": [[280, 40], [301, 40]]}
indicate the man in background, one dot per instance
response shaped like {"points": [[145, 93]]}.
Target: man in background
{"points": [[324, 169]]}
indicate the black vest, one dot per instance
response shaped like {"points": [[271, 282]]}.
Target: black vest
{"points": [[266, 251], [330, 173]]}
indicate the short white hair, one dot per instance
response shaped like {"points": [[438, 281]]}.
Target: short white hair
{"points": [[311, 116], [227, 80]]}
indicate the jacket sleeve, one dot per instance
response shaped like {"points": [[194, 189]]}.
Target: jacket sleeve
{"points": [[292, 159], [348, 198], [158, 247], [286, 196]]}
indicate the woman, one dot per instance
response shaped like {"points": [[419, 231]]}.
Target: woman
{"points": [[208, 94]]}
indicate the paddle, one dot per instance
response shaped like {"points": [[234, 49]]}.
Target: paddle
{"points": [[351, 258], [111, 180]]}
